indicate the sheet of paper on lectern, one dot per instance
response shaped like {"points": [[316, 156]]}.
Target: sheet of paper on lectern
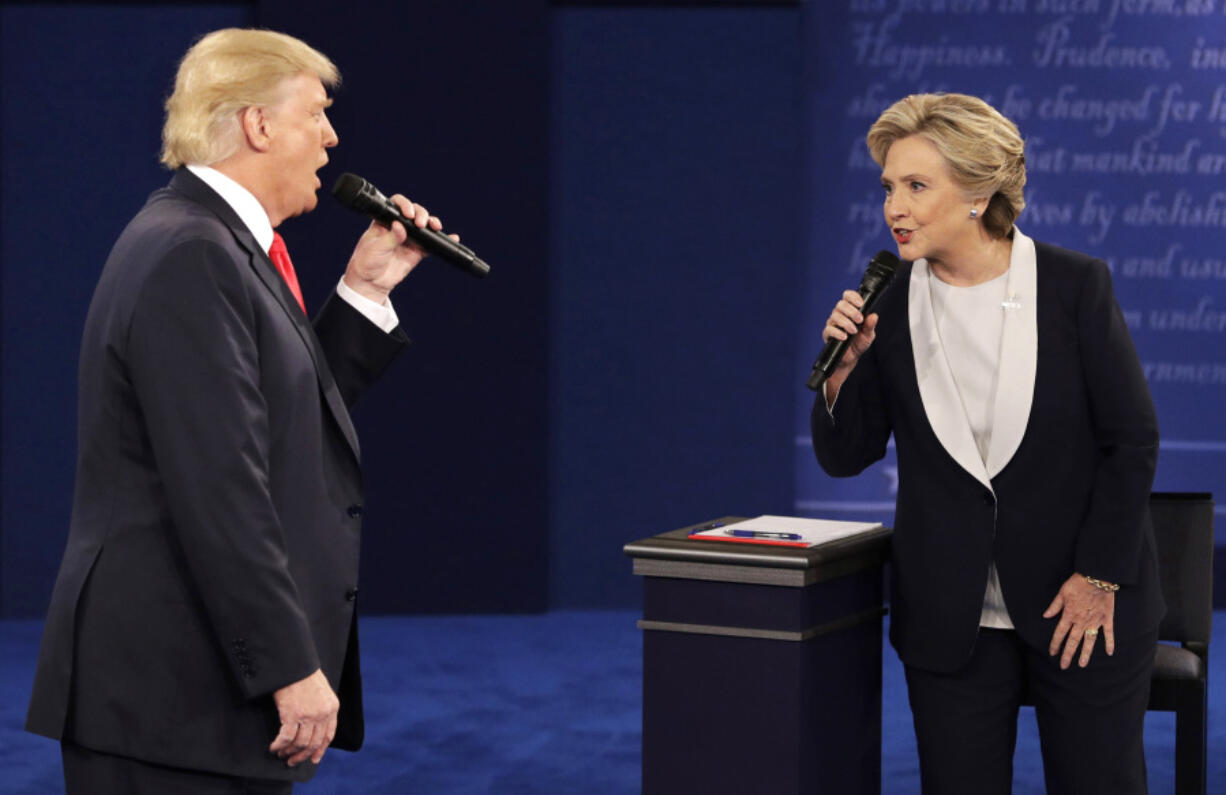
{"points": [[812, 532]]}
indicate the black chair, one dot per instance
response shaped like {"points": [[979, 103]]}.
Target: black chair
{"points": [[1183, 531], [1183, 528]]}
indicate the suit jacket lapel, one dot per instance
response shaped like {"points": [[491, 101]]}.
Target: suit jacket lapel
{"points": [[1016, 370], [1019, 353], [195, 189], [272, 279], [938, 391]]}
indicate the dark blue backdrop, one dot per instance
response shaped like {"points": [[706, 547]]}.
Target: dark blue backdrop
{"points": [[80, 128], [631, 177], [668, 197], [453, 440], [674, 215]]}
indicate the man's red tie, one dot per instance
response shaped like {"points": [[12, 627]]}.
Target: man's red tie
{"points": [[280, 257]]}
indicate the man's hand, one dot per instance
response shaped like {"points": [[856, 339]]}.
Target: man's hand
{"points": [[308, 719], [381, 259]]}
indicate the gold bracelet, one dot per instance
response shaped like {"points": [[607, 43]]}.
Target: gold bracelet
{"points": [[1110, 587]]}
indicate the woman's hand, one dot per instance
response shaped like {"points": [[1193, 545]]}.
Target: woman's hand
{"points": [[1085, 609], [843, 324]]}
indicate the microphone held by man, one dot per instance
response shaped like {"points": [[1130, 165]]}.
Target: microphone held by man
{"points": [[358, 194]]}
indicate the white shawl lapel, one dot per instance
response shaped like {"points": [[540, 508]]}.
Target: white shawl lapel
{"points": [[1019, 355], [1015, 384]]}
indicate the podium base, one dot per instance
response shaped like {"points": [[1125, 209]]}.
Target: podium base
{"points": [[761, 678]]}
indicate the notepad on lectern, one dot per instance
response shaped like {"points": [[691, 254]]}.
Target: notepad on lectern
{"points": [[786, 531]]}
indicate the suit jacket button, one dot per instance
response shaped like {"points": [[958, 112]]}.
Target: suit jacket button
{"points": [[351, 594], [354, 511]]}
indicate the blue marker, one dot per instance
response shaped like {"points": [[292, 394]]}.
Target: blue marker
{"points": [[763, 534]]}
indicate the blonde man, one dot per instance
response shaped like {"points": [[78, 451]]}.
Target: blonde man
{"points": [[201, 635]]}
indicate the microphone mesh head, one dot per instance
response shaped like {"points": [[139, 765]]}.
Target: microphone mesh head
{"points": [[886, 259], [347, 189], [879, 274]]}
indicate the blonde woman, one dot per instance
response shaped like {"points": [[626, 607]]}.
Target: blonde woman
{"points": [[1026, 437]]}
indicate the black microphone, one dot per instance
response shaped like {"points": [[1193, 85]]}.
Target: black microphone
{"points": [[358, 194], [878, 277]]}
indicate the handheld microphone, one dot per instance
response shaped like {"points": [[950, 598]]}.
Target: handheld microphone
{"points": [[878, 277], [358, 194]]}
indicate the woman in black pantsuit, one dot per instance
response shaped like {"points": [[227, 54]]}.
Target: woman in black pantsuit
{"points": [[1024, 559]]}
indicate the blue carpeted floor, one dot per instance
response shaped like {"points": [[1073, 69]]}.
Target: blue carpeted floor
{"points": [[531, 704]]}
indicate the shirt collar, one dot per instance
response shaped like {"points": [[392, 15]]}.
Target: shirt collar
{"points": [[241, 200]]}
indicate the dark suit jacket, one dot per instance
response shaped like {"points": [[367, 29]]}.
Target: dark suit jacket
{"points": [[213, 552], [1066, 483]]}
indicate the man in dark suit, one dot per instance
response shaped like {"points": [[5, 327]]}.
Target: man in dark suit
{"points": [[202, 625]]}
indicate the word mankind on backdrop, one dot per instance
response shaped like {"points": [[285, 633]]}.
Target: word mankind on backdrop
{"points": [[1144, 158]]}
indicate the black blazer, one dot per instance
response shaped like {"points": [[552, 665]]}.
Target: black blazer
{"points": [[213, 552], [1067, 481]]}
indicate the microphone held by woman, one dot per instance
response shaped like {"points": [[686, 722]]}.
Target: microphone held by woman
{"points": [[878, 277]]}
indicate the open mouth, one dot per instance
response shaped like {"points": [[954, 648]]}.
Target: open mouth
{"points": [[903, 235]]}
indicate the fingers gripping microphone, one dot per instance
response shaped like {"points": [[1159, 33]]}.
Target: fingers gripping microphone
{"points": [[358, 194], [878, 277]]}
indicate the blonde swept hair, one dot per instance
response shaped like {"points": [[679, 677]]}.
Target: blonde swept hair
{"points": [[984, 150], [223, 73]]}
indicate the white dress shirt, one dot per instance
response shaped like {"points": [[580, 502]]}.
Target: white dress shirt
{"points": [[251, 213]]}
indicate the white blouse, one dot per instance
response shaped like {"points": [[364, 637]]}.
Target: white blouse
{"points": [[970, 322]]}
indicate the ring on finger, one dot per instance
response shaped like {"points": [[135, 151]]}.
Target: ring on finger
{"points": [[1092, 632]]}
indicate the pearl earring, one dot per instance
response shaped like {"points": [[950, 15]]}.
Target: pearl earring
{"points": [[974, 213]]}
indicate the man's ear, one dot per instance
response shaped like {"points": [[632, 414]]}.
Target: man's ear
{"points": [[254, 121]]}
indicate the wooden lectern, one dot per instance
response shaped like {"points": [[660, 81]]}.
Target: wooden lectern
{"points": [[761, 665]]}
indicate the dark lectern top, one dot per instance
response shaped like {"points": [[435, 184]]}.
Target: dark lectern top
{"points": [[675, 554]]}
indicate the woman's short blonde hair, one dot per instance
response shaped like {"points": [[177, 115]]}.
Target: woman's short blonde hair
{"points": [[223, 73], [984, 150]]}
